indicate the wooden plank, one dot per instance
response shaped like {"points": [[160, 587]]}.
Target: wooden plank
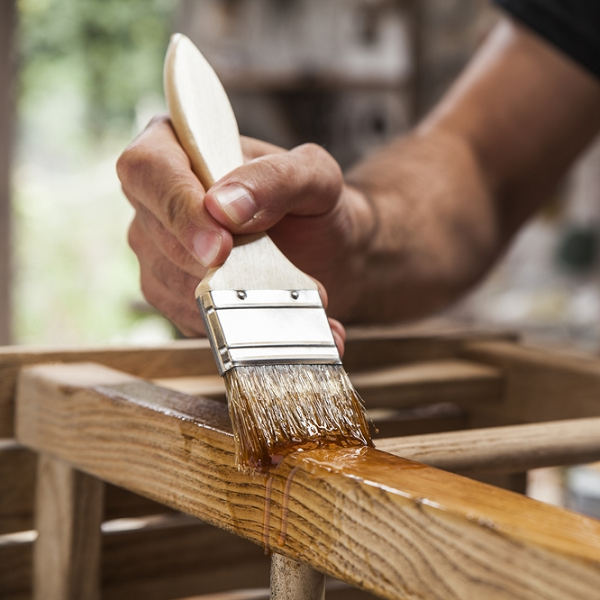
{"points": [[8, 24], [388, 525], [177, 359], [541, 384], [68, 515], [155, 559], [188, 358], [17, 489], [503, 449], [18, 467], [413, 384]]}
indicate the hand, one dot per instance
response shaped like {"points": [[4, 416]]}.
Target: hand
{"points": [[179, 230]]}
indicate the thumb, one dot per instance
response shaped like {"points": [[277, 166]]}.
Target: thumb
{"points": [[307, 181]]}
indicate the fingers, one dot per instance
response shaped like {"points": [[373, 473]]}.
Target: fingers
{"points": [[168, 288], [305, 181], [156, 173], [339, 335]]}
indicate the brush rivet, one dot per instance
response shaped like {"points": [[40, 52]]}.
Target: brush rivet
{"points": [[241, 295], [295, 295]]}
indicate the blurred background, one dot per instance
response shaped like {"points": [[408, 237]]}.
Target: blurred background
{"points": [[80, 78]]}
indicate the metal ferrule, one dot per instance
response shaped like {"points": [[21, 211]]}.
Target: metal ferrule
{"points": [[252, 327]]}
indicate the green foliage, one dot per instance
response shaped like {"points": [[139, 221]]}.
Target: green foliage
{"points": [[86, 68], [113, 50]]}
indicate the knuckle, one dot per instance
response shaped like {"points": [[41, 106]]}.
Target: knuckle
{"points": [[133, 164]]}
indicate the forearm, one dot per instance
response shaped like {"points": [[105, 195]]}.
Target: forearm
{"points": [[435, 229], [447, 198]]}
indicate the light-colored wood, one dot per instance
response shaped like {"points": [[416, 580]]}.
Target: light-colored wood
{"points": [[17, 488], [414, 384], [540, 383], [159, 558], [8, 24], [181, 358], [503, 449], [206, 127], [365, 349], [291, 580], [391, 526], [68, 514]]}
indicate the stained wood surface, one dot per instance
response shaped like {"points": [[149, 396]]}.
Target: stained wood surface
{"points": [[68, 515], [392, 526], [540, 383], [157, 558]]}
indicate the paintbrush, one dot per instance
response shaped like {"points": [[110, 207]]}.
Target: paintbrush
{"points": [[286, 387]]}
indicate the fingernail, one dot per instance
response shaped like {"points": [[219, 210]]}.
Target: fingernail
{"points": [[237, 202], [206, 246]]}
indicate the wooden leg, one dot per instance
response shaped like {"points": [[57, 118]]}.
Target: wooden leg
{"points": [[68, 515], [291, 580]]}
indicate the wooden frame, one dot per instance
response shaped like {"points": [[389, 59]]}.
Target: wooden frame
{"points": [[373, 519]]}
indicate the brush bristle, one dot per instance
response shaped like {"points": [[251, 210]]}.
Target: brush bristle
{"points": [[276, 408]]}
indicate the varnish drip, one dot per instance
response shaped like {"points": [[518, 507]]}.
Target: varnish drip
{"points": [[276, 409], [285, 506], [267, 515]]}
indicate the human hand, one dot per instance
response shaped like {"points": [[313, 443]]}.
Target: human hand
{"points": [[179, 230]]}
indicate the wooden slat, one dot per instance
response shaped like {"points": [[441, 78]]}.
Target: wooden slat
{"points": [[413, 384], [388, 525], [155, 559], [69, 507], [189, 358], [503, 449], [541, 384]]}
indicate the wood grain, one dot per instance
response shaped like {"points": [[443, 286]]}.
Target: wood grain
{"points": [[17, 489], [154, 559], [182, 358], [540, 383], [68, 515], [388, 525]]}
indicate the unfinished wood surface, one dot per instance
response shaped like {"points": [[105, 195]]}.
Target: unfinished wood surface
{"points": [[17, 490], [541, 384], [291, 580], [503, 449], [8, 25], [155, 558], [385, 524], [413, 384], [68, 515]]}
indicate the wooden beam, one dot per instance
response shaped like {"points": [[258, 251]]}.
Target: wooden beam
{"points": [[413, 384], [540, 383], [7, 116], [508, 449], [190, 358], [391, 526], [154, 558], [69, 507]]}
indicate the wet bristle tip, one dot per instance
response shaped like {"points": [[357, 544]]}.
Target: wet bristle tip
{"points": [[279, 408]]}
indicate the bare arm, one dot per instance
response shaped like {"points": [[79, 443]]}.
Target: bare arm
{"points": [[412, 227]]}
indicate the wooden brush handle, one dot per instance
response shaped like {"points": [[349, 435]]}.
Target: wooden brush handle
{"points": [[206, 127]]}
